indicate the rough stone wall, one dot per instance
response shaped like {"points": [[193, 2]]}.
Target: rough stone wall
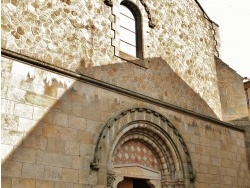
{"points": [[232, 94], [184, 38], [50, 125], [77, 34], [216, 31], [159, 81]]}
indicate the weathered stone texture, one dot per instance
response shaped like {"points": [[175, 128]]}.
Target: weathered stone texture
{"points": [[23, 183], [6, 182], [53, 173], [24, 155], [70, 175], [158, 81], [232, 95], [53, 159], [44, 183], [51, 123], [57, 145], [11, 169], [77, 36], [32, 171]]}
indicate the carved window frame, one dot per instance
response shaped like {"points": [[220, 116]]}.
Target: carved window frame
{"points": [[141, 10]]}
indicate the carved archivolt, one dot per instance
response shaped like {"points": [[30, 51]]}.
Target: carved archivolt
{"points": [[152, 129]]}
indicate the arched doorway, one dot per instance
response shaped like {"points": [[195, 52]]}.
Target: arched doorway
{"points": [[141, 144], [133, 183]]}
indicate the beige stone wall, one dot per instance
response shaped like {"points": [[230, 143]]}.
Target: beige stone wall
{"points": [[159, 81], [247, 93], [50, 126], [232, 93], [77, 35]]}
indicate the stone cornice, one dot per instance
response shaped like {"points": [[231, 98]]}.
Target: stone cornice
{"points": [[46, 66]]}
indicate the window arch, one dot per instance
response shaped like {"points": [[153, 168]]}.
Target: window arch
{"points": [[130, 30]]}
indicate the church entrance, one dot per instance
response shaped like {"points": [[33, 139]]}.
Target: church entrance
{"points": [[133, 183], [140, 148]]}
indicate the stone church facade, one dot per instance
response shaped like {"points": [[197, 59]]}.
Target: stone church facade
{"points": [[79, 111]]}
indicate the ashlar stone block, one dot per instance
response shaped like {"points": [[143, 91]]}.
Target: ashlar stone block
{"points": [[86, 149], [22, 69], [32, 171], [87, 178], [23, 183], [17, 95], [24, 155], [91, 113], [63, 185], [216, 161], [60, 119], [6, 182], [59, 132], [208, 178], [78, 162], [70, 175], [26, 125], [39, 100], [77, 122], [81, 186], [35, 142], [231, 172], [7, 106], [227, 180], [11, 169], [44, 183], [53, 159], [93, 126], [85, 137], [72, 148], [11, 137], [39, 112], [77, 110], [9, 122], [53, 173], [23, 110], [205, 159], [214, 169], [56, 145]]}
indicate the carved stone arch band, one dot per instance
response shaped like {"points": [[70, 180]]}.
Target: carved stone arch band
{"points": [[147, 130], [150, 21]]}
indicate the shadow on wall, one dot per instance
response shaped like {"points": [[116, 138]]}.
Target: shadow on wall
{"points": [[158, 81], [51, 123], [232, 94]]}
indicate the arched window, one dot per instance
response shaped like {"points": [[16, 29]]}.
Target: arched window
{"points": [[130, 30]]}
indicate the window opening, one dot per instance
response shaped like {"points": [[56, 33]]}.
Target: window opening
{"points": [[128, 33]]}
